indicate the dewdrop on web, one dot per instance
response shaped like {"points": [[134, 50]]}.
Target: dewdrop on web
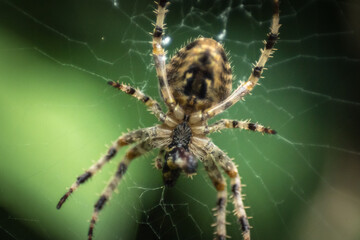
{"points": [[166, 41]]}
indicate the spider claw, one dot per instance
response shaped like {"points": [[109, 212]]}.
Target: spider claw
{"points": [[61, 202]]}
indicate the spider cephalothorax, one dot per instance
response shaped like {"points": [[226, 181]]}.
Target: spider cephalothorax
{"points": [[195, 86]]}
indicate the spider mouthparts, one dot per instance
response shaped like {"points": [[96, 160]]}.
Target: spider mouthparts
{"points": [[191, 165], [185, 160]]}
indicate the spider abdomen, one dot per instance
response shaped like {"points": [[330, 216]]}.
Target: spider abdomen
{"points": [[200, 75]]}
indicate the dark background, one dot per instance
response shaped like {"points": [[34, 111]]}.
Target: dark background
{"points": [[57, 113]]}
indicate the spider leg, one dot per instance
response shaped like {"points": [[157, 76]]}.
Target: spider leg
{"points": [[227, 123], [229, 167], [153, 105], [248, 86], [159, 56], [220, 185], [134, 152], [158, 161], [124, 140], [204, 147]]}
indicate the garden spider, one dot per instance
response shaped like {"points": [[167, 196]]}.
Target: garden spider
{"points": [[195, 86]]}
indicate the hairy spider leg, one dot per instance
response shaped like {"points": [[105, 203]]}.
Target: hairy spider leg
{"points": [[236, 188], [248, 86], [228, 123], [124, 140], [134, 152], [246, 125], [152, 105], [159, 54], [220, 185]]}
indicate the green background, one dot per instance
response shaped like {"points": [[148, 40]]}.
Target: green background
{"points": [[58, 113]]}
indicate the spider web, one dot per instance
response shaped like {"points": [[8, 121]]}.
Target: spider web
{"points": [[58, 112]]}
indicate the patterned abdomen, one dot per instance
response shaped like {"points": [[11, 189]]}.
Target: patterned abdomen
{"points": [[200, 75]]}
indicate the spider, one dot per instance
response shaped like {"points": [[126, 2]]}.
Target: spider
{"points": [[195, 86]]}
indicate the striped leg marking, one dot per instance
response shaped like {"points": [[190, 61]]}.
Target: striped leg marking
{"points": [[152, 105], [252, 81], [124, 140], [159, 54], [134, 152], [220, 185], [229, 167], [227, 123], [238, 203]]}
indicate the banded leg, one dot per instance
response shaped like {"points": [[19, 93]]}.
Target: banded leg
{"points": [[248, 86], [229, 167], [220, 185], [227, 123], [159, 54], [134, 152], [124, 140], [158, 161], [153, 105]]}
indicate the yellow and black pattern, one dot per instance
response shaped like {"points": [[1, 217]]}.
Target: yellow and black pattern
{"points": [[200, 75]]}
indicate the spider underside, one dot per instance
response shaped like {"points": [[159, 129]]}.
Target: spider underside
{"points": [[196, 85]]}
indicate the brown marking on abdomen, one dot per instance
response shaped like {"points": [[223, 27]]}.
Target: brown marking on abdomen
{"points": [[200, 75]]}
